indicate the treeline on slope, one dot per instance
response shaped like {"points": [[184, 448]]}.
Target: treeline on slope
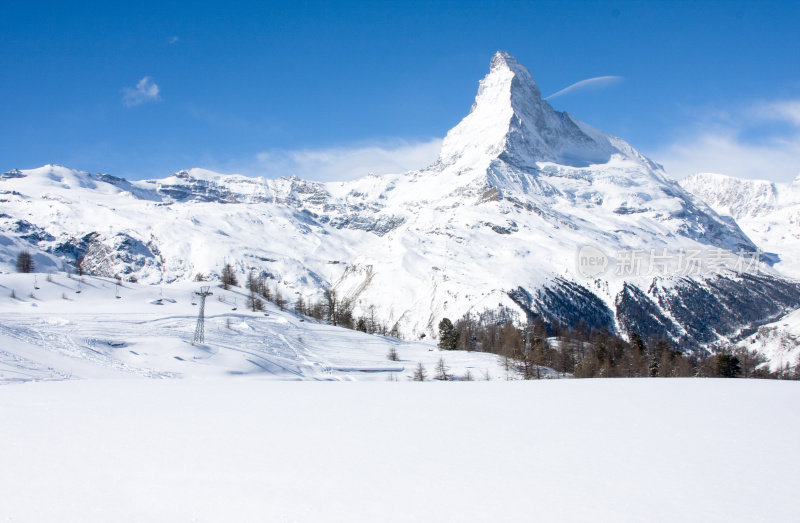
{"points": [[330, 308], [575, 350], [588, 353]]}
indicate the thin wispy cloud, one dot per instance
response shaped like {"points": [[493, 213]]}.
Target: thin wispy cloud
{"points": [[173, 39], [589, 83], [145, 91], [347, 163], [737, 143], [781, 111]]}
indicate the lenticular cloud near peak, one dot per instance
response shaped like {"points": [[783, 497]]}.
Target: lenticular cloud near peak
{"points": [[597, 81]]}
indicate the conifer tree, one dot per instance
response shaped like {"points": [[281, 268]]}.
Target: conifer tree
{"points": [[728, 366], [448, 336]]}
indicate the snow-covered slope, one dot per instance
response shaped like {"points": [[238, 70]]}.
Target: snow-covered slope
{"points": [[498, 220], [660, 450], [768, 212], [779, 341], [60, 327]]}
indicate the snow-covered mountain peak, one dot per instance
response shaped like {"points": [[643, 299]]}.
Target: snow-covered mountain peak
{"points": [[503, 63], [48, 179], [510, 120], [503, 59]]}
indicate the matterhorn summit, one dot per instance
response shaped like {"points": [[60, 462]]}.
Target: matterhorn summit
{"points": [[510, 121], [501, 221]]}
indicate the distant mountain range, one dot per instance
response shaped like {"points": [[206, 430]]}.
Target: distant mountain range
{"points": [[768, 212]]}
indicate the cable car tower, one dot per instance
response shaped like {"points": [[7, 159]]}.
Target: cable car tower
{"points": [[199, 331]]}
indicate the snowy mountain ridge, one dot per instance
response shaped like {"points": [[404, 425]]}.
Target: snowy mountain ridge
{"points": [[768, 212], [497, 221]]}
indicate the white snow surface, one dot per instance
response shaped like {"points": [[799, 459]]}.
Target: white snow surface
{"points": [[518, 189], [243, 449], [57, 333]]}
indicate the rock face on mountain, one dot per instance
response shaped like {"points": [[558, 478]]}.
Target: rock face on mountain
{"points": [[768, 212], [505, 217]]}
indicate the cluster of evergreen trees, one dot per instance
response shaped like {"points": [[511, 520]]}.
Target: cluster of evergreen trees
{"points": [[529, 352], [585, 353]]}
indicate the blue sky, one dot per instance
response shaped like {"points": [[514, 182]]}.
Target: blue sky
{"points": [[335, 89]]}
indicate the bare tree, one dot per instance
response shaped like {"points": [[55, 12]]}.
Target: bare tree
{"points": [[263, 288], [316, 310], [25, 262], [280, 301], [300, 306], [392, 354], [254, 302], [442, 371], [420, 374], [228, 277], [796, 373], [750, 359], [252, 282], [344, 314], [79, 268], [372, 326], [331, 304]]}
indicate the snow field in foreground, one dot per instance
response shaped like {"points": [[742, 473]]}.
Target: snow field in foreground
{"points": [[242, 449]]}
